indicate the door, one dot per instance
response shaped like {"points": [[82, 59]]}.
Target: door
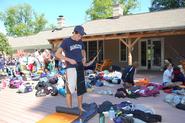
{"points": [[143, 54], [157, 54], [151, 54]]}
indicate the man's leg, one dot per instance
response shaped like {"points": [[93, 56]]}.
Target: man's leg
{"points": [[80, 100], [81, 89], [68, 97], [69, 100], [70, 85]]}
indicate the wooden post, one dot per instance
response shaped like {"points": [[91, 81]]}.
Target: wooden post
{"points": [[129, 52], [128, 43]]}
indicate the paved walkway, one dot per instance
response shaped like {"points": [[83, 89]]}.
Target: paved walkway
{"points": [[26, 108]]}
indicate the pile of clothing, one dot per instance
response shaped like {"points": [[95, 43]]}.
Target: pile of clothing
{"points": [[151, 89], [45, 87], [111, 77], [175, 100], [126, 112]]}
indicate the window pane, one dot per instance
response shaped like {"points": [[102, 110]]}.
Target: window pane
{"points": [[100, 47], [143, 53], [123, 52], [85, 45], [92, 49], [157, 53]]}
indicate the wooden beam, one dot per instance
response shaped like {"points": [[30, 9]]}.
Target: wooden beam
{"points": [[129, 43], [131, 35], [124, 42], [136, 35], [135, 41]]}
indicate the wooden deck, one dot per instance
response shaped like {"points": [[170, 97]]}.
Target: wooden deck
{"points": [[26, 108]]}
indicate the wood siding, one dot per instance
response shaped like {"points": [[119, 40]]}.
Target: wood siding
{"points": [[174, 48]]}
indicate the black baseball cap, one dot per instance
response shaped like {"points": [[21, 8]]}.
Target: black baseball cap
{"points": [[79, 29]]}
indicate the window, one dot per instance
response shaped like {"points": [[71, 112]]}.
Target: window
{"points": [[85, 46], [92, 48], [122, 52]]}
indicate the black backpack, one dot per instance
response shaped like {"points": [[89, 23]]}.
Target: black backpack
{"points": [[126, 72]]}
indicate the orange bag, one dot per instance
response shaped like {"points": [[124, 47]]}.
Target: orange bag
{"points": [[142, 82]]}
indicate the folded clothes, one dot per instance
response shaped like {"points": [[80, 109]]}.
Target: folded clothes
{"points": [[90, 110], [74, 111]]}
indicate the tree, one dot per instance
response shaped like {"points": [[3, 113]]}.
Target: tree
{"points": [[4, 45], [50, 27], [21, 20], [158, 5], [127, 5], [101, 9]]}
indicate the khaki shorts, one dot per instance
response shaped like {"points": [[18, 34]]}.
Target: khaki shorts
{"points": [[76, 79], [71, 79]]}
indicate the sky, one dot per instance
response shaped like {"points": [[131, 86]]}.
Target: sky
{"points": [[72, 10]]}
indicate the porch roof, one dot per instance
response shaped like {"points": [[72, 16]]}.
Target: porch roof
{"points": [[169, 22], [146, 22]]}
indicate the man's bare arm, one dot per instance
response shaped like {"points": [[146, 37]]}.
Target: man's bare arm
{"points": [[61, 57]]}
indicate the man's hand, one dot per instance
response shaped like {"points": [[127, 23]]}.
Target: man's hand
{"points": [[84, 61], [72, 61]]}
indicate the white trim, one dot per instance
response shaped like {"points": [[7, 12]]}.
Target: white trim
{"points": [[87, 53], [98, 48], [162, 53], [139, 54], [103, 48], [120, 51]]}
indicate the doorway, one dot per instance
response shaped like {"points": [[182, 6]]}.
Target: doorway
{"points": [[151, 54]]}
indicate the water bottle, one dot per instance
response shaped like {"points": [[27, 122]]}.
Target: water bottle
{"points": [[111, 114], [106, 115], [101, 118], [80, 120]]}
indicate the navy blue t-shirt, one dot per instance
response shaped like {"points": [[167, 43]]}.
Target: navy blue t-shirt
{"points": [[72, 49]]}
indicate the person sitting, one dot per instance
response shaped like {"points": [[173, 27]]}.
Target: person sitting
{"points": [[128, 75], [167, 77], [166, 62], [178, 76]]}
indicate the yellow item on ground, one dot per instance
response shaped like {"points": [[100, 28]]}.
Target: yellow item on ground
{"points": [[59, 118]]}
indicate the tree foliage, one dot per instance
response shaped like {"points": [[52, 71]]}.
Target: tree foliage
{"points": [[4, 45], [127, 5], [158, 5], [21, 20], [101, 9]]}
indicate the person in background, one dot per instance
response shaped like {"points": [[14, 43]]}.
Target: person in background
{"points": [[128, 75], [2, 63], [178, 76], [167, 77]]}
